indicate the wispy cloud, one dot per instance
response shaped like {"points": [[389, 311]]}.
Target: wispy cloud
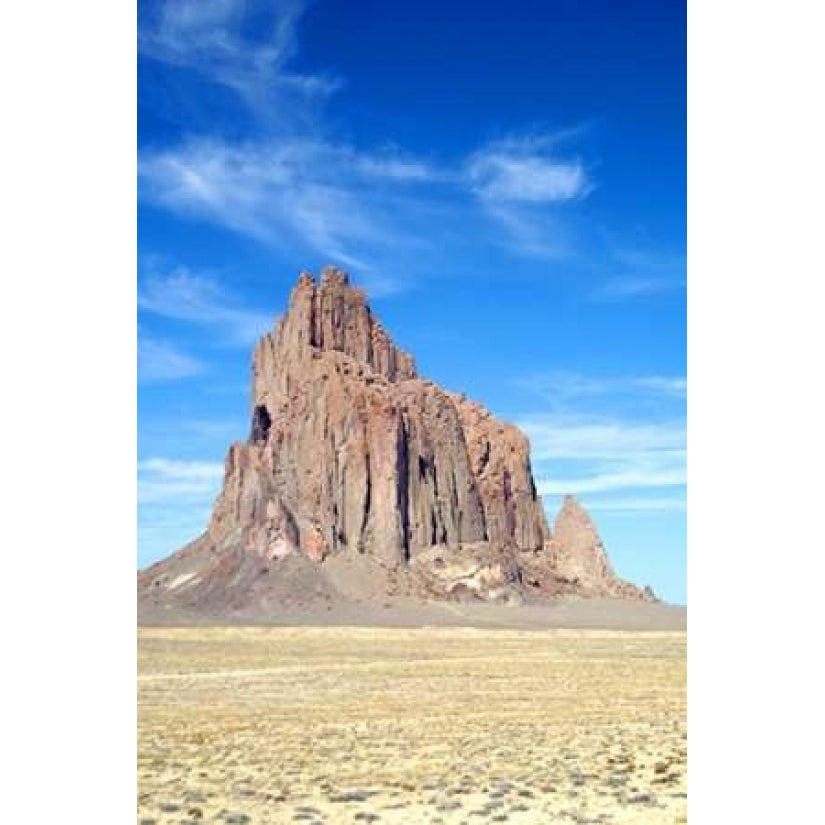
{"points": [[676, 387], [295, 189], [633, 287], [499, 173], [185, 296], [388, 164], [293, 192], [646, 477], [531, 233], [637, 504], [174, 498], [163, 480], [166, 468], [641, 274], [163, 430], [598, 455], [585, 438], [621, 435], [223, 429], [214, 39], [159, 360], [561, 387], [521, 182]]}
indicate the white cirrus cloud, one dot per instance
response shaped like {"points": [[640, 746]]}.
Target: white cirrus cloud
{"points": [[639, 274], [215, 39], [634, 286], [521, 183], [578, 438], [160, 360], [185, 296], [527, 169], [672, 386], [622, 435], [293, 189], [164, 480], [166, 468], [578, 453], [652, 476], [295, 194], [506, 176], [175, 497], [358, 207], [532, 233], [391, 164], [564, 386], [637, 504]]}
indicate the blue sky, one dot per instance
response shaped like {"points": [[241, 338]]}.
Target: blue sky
{"points": [[507, 181]]}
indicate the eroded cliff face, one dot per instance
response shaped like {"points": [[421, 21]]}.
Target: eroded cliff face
{"points": [[351, 454]]}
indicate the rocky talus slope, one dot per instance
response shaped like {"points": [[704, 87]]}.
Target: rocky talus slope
{"points": [[360, 479]]}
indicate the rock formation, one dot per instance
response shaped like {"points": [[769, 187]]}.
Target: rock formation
{"points": [[580, 560], [352, 458]]}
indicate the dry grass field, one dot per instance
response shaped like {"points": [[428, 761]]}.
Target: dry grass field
{"points": [[441, 725]]}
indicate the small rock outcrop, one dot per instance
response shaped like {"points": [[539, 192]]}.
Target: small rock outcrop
{"points": [[351, 454], [580, 559]]}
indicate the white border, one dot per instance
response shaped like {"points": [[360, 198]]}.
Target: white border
{"points": [[755, 411], [69, 411]]}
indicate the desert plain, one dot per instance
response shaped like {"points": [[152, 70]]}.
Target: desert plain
{"points": [[443, 725]]}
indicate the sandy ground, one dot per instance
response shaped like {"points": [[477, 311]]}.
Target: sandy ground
{"points": [[410, 725], [607, 614]]}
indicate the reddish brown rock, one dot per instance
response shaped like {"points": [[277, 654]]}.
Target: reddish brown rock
{"points": [[500, 461], [351, 454], [580, 560]]}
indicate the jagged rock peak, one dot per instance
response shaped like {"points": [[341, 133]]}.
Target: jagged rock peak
{"points": [[333, 315], [572, 510], [580, 555], [333, 275]]}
